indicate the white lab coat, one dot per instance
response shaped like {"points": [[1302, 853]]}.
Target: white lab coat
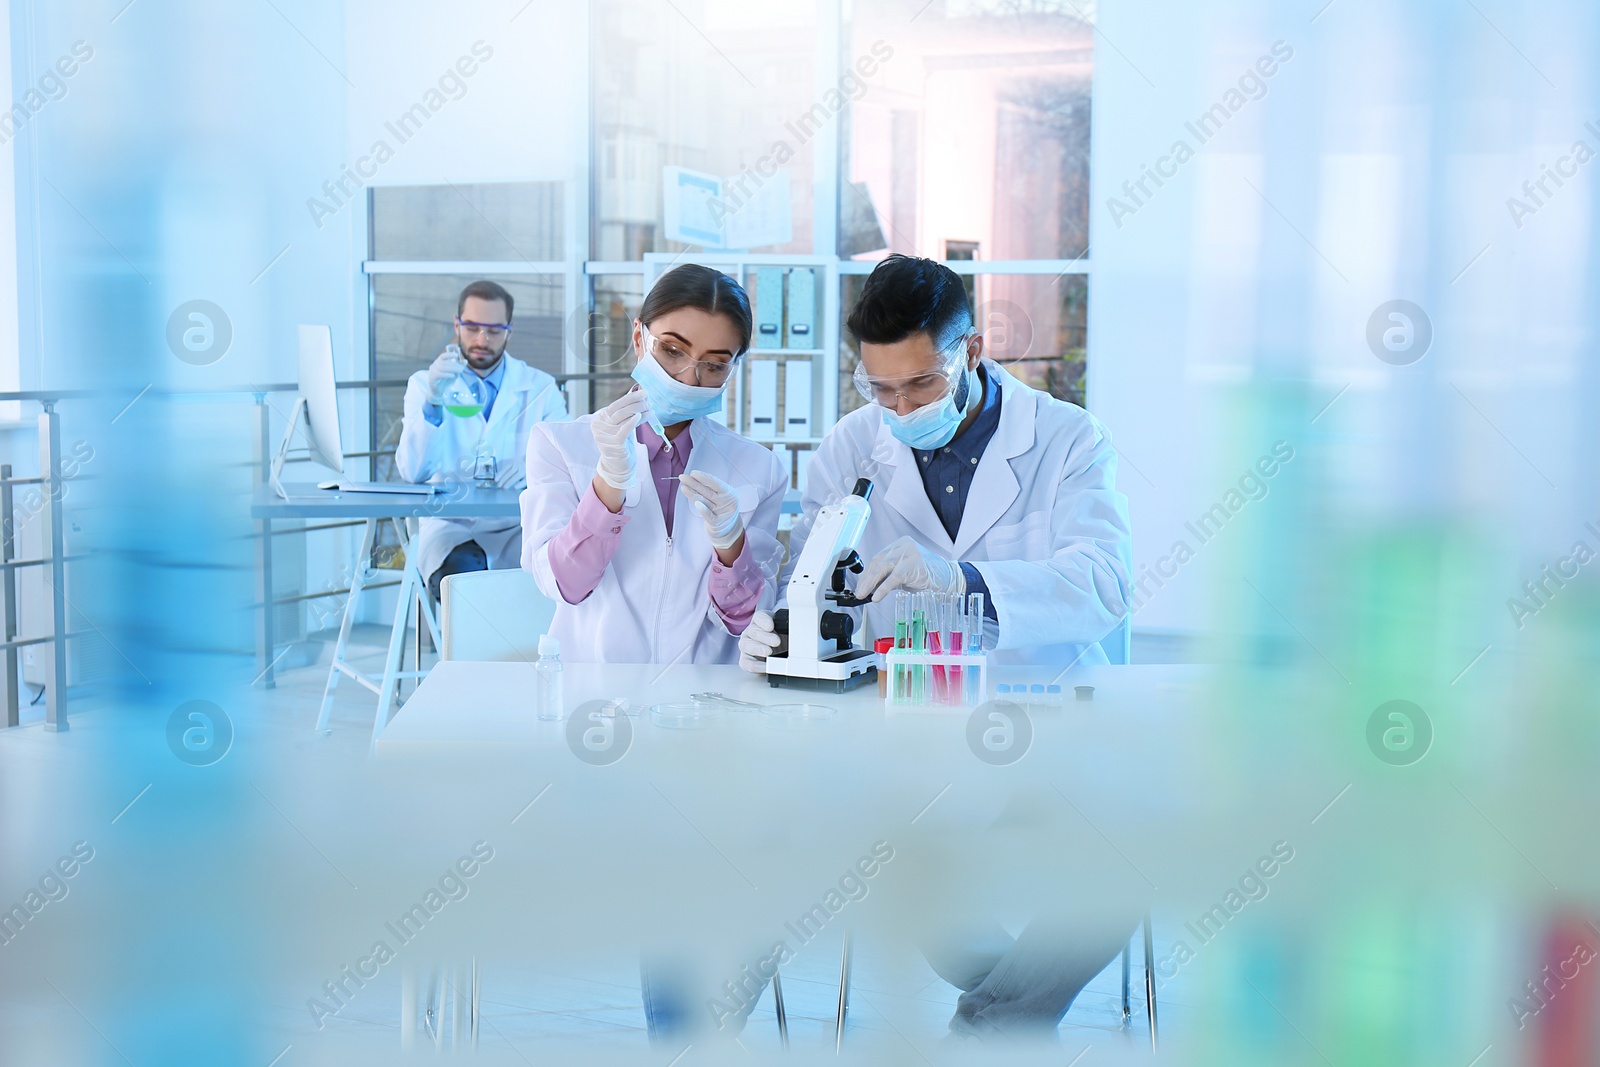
{"points": [[653, 604], [444, 454], [1044, 523]]}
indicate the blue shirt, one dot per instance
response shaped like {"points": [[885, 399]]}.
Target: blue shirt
{"points": [[947, 473], [435, 414]]}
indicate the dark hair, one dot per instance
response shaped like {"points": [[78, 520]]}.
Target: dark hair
{"points": [[695, 286], [485, 290], [906, 295]]}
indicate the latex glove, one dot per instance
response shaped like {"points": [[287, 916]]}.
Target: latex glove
{"points": [[716, 504], [508, 474], [441, 372], [907, 565], [758, 641], [613, 427]]}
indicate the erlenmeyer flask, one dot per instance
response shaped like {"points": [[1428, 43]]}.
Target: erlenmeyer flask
{"points": [[467, 394]]}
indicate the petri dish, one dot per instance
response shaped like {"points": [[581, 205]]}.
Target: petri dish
{"points": [[685, 716], [797, 716]]}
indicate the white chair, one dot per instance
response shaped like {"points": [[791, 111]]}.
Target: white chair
{"points": [[492, 615], [1119, 643]]}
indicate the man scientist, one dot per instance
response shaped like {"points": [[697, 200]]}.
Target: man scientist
{"points": [[982, 484], [487, 445]]}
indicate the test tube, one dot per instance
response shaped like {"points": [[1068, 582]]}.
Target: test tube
{"points": [[919, 643], [955, 627], [974, 644], [902, 639], [936, 645]]}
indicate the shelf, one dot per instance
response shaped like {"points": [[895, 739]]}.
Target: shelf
{"points": [[787, 440], [786, 352]]}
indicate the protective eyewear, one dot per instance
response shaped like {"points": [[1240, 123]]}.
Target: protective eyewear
{"points": [[928, 387], [492, 330], [711, 373]]}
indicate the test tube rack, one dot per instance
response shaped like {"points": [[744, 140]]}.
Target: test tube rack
{"points": [[935, 681]]}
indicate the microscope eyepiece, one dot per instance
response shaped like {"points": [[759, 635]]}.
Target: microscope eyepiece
{"points": [[863, 488]]}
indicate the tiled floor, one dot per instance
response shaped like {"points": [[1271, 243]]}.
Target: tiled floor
{"points": [[603, 1006]]}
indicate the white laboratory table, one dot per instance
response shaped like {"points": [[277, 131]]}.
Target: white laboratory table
{"points": [[749, 802], [462, 705], [722, 833]]}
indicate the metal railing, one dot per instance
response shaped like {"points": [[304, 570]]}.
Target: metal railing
{"points": [[55, 487], [56, 558]]}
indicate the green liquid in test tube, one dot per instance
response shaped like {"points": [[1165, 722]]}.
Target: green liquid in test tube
{"points": [[902, 641], [919, 643]]}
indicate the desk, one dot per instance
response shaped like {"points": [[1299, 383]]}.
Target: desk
{"points": [[306, 501]]}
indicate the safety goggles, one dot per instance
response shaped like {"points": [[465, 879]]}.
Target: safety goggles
{"points": [[711, 373], [491, 330], [928, 387]]}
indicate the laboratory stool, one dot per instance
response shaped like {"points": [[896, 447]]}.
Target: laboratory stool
{"points": [[444, 1003], [1149, 983], [844, 1000]]}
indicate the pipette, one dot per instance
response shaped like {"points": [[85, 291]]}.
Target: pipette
{"points": [[655, 424]]}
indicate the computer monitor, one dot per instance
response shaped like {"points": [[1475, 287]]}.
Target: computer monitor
{"points": [[321, 396], [317, 404]]}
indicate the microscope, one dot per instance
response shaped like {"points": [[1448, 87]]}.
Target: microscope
{"points": [[821, 653]]}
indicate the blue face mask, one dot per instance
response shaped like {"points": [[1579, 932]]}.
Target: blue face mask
{"points": [[670, 399], [933, 425]]}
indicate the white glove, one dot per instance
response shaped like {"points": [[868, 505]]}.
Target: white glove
{"points": [[907, 565], [613, 427], [758, 641], [716, 504], [508, 474], [441, 372]]}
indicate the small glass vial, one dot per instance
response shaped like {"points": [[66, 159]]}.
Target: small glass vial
{"points": [[549, 700]]}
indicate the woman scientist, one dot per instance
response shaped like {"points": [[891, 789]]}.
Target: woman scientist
{"points": [[638, 576]]}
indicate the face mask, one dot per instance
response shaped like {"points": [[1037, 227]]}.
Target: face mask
{"points": [[933, 425], [672, 401]]}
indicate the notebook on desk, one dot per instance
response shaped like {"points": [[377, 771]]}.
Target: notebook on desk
{"points": [[406, 488]]}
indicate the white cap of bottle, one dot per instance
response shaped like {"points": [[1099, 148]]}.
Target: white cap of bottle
{"points": [[549, 646]]}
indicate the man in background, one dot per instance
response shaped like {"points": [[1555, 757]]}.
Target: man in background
{"points": [[487, 446]]}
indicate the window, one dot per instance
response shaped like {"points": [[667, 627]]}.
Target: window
{"points": [[428, 242], [960, 130], [609, 333], [507, 220], [972, 131], [721, 89]]}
